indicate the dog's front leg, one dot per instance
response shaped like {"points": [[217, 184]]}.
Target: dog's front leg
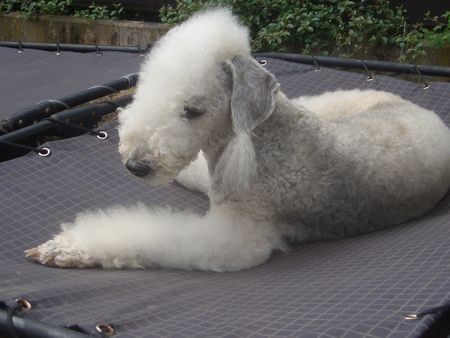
{"points": [[196, 175], [141, 237]]}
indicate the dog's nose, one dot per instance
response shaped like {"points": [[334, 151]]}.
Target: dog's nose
{"points": [[138, 168]]}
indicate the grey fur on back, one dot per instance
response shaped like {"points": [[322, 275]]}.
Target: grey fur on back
{"points": [[360, 171]]}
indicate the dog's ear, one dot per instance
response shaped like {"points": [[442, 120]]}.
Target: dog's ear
{"points": [[252, 102], [253, 93]]}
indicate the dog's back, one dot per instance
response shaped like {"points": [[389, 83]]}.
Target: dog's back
{"points": [[349, 171]]}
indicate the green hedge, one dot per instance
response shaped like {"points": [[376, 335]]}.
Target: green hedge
{"points": [[27, 8], [365, 28], [327, 27]]}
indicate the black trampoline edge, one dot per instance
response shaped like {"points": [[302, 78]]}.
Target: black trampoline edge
{"points": [[66, 123], [440, 328], [368, 65], [30, 328], [71, 47], [45, 108], [347, 63]]}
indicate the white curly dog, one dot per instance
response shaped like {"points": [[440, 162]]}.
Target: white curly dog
{"points": [[276, 170]]}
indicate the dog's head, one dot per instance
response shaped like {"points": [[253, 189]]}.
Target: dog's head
{"points": [[198, 87]]}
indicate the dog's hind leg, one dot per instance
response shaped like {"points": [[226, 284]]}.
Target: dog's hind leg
{"points": [[140, 237]]}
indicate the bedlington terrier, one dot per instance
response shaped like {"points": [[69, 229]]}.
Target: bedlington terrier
{"points": [[277, 171]]}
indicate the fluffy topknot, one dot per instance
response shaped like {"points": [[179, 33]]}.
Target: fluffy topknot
{"points": [[190, 50]]}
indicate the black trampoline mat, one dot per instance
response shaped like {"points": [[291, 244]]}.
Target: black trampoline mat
{"points": [[34, 75], [359, 286]]}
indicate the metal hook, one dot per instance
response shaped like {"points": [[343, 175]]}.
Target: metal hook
{"points": [[370, 75], [317, 68], [424, 83], [97, 49], [58, 49]]}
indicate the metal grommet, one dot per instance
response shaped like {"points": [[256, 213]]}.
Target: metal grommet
{"points": [[44, 152], [105, 328], [263, 62], [411, 316], [102, 135], [24, 304]]}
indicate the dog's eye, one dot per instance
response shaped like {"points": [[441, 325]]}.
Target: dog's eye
{"points": [[192, 113]]}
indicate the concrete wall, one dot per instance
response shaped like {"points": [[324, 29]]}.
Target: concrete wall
{"points": [[65, 29]]}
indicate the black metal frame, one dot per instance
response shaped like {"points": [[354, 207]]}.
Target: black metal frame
{"points": [[35, 329], [328, 61], [71, 47], [46, 108], [69, 126], [306, 59]]}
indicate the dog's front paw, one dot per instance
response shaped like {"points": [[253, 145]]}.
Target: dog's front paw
{"points": [[59, 252]]}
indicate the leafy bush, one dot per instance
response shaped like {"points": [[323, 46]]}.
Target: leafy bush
{"points": [[98, 12], [28, 7], [61, 7], [413, 42], [327, 27]]}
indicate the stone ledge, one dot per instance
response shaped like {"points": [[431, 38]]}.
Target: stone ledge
{"points": [[65, 29]]}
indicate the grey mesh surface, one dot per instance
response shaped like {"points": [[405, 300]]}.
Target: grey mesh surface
{"points": [[359, 286], [34, 75]]}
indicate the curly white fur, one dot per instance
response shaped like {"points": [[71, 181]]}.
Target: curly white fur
{"points": [[320, 167]]}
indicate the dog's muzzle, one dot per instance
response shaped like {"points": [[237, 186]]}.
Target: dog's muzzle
{"points": [[138, 168]]}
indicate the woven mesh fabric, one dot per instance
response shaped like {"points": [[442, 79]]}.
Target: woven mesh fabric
{"points": [[34, 75], [359, 286]]}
